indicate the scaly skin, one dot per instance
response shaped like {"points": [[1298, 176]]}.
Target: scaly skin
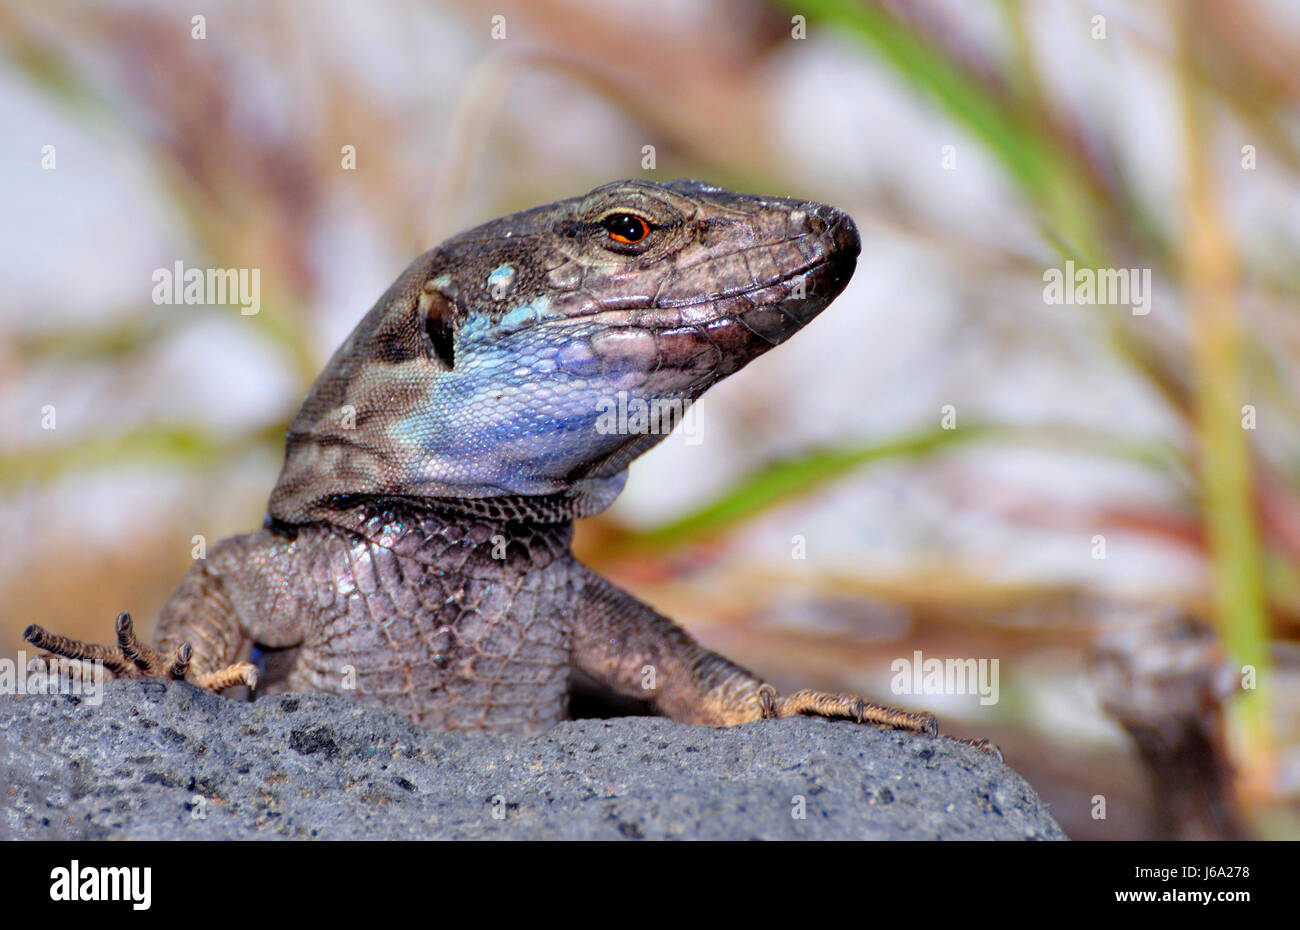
{"points": [[416, 549]]}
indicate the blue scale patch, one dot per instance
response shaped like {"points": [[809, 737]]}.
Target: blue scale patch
{"points": [[501, 279], [523, 316]]}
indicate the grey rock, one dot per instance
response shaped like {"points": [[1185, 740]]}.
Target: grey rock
{"points": [[169, 761]]}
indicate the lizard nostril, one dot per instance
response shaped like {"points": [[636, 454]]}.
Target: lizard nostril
{"points": [[846, 235]]}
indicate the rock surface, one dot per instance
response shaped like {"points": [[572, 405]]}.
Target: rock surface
{"points": [[168, 761]]}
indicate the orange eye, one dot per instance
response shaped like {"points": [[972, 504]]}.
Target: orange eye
{"points": [[626, 227]]}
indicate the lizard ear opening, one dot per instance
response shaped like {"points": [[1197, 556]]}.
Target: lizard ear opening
{"points": [[440, 326]]}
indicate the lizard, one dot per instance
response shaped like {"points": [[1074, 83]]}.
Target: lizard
{"points": [[416, 552]]}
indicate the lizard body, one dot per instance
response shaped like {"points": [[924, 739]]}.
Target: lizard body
{"points": [[416, 549]]}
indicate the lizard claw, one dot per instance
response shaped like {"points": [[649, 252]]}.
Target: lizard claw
{"points": [[821, 704], [133, 659], [985, 745]]}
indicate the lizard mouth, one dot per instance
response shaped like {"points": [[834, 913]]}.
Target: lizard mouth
{"points": [[680, 350], [775, 308]]}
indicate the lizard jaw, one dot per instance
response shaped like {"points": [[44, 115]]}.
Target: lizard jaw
{"points": [[683, 349]]}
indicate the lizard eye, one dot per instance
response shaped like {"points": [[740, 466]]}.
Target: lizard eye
{"points": [[626, 227]]}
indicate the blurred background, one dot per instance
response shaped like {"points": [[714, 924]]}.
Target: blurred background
{"points": [[1106, 503]]}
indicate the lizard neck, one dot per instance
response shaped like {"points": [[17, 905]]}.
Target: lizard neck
{"points": [[494, 536], [349, 511]]}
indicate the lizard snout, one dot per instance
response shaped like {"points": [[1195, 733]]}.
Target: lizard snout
{"points": [[840, 245], [837, 228], [844, 233]]}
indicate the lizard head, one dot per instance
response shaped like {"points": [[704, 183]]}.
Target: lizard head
{"points": [[492, 366]]}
